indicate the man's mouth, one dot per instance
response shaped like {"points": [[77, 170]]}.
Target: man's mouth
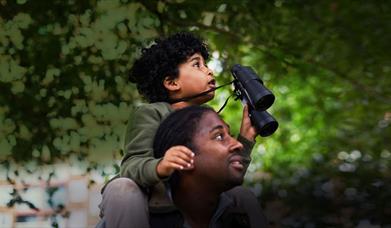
{"points": [[237, 162], [237, 165]]}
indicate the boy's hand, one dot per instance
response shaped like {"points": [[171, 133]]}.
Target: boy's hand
{"points": [[247, 130], [175, 158]]}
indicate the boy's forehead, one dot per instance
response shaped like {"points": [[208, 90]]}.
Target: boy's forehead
{"points": [[195, 56]]}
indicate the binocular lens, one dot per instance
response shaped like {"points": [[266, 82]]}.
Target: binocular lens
{"points": [[264, 100], [269, 129], [263, 122], [260, 96]]}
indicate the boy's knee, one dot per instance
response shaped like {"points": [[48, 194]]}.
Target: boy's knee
{"points": [[123, 185], [124, 202], [122, 193]]}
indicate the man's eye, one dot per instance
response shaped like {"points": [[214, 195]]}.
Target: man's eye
{"points": [[219, 137], [197, 64]]}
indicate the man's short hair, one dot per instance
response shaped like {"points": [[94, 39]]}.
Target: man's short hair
{"points": [[179, 128], [161, 60]]}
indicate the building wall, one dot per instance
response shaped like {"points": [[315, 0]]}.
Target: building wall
{"points": [[78, 193]]}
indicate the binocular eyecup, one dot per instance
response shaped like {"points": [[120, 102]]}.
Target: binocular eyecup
{"points": [[263, 122]]}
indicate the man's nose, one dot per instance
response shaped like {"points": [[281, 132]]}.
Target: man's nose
{"points": [[235, 145]]}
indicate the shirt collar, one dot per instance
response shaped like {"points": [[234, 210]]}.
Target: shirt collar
{"points": [[224, 202]]}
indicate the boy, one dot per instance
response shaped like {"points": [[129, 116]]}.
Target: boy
{"points": [[171, 69]]}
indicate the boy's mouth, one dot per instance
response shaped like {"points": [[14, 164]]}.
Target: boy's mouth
{"points": [[212, 83]]}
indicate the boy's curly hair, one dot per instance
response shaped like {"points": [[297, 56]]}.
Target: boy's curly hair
{"points": [[161, 60]]}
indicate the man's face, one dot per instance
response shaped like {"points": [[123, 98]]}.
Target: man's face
{"points": [[195, 77], [218, 157]]}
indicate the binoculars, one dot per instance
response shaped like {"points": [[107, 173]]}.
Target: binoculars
{"points": [[250, 89]]}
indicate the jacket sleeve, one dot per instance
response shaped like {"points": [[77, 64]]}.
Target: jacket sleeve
{"points": [[139, 163], [247, 148]]}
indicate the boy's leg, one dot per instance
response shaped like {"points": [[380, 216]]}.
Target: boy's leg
{"points": [[123, 205], [250, 204]]}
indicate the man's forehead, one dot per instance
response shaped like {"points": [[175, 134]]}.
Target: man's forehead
{"points": [[211, 120]]}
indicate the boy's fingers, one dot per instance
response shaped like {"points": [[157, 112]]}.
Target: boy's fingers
{"points": [[180, 161], [176, 166], [182, 167], [184, 156], [185, 151]]}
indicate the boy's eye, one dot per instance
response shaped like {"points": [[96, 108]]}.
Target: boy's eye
{"points": [[197, 64]]}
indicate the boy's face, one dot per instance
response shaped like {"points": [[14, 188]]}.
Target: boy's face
{"points": [[195, 77]]}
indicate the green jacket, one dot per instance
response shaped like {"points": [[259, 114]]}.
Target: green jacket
{"points": [[139, 163]]}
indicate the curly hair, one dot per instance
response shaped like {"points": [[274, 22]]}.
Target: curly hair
{"points": [[161, 60]]}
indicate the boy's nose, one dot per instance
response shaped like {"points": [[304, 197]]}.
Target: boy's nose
{"points": [[208, 71]]}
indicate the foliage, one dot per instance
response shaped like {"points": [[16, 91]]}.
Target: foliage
{"points": [[63, 69]]}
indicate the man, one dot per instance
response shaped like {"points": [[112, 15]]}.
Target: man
{"points": [[200, 194]]}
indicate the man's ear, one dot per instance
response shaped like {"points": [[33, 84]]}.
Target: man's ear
{"points": [[171, 84]]}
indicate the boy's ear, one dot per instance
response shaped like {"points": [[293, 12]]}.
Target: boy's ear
{"points": [[171, 84]]}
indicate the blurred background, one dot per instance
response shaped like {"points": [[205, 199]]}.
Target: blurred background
{"points": [[65, 101]]}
